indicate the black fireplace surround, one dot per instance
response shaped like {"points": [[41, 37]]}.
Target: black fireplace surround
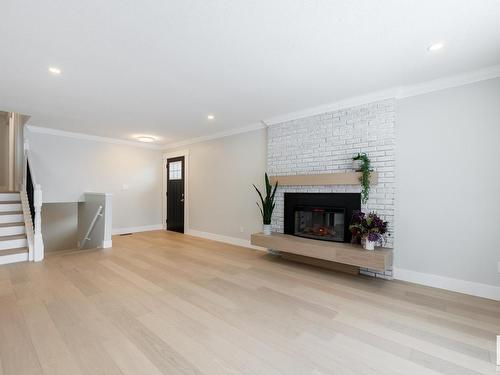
{"points": [[321, 216]]}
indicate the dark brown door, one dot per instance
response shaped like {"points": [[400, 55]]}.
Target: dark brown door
{"points": [[175, 194]]}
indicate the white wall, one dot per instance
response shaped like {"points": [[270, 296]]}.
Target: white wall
{"points": [[448, 183], [68, 167], [221, 174]]}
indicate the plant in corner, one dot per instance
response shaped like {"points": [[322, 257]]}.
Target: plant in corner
{"points": [[370, 229], [267, 204], [364, 179]]}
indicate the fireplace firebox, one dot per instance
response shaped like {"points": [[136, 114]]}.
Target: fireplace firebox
{"points": [[321, 216]]}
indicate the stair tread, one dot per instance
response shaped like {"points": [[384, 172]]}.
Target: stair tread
{"points": [[11, 213], [13, 237], [8, 225], [20, 250], [10, 202], [9, 192]]}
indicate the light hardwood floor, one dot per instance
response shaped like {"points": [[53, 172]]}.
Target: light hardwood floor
{"points": [[164, 303]]}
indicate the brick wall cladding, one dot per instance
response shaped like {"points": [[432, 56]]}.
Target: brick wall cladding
{"points": [[326, 143]]}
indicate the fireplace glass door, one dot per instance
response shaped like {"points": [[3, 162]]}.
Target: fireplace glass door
{"points": [[321, 223]]}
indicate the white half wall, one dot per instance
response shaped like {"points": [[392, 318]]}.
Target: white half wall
{"points": [[447, 186], [68, 167], [60, 226]]}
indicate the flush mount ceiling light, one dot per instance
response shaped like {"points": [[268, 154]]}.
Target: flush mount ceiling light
{"points": [[211, 117], [54, 70], [146, 138], [435, 47]]}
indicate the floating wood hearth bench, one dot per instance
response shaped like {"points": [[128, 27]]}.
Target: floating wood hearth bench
{"points": [[333, 255]]}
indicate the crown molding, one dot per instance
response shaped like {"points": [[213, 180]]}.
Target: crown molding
{"points": [[398, 92], [330, 107], [449, 82], [227, 133], [89, 137]]}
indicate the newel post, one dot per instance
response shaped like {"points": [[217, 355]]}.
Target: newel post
{"points": [[38, 240]]}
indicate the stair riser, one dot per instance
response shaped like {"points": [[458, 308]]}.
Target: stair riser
{"points": [[11, 231], [13, 258], [13, 244], [4, 197], [10, 207], [17, 218]]}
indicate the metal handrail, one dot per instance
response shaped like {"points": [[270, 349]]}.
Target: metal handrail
{"points": [[91, 227]]}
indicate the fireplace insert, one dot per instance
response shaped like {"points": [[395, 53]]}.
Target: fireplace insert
{"points": [[321, 216], [321, 223]]}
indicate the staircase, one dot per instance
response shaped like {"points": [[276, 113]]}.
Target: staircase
{"points": [[13, 239]]}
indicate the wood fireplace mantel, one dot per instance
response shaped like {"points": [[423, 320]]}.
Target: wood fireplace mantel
{"points": [[379, 259], [341, 178]]}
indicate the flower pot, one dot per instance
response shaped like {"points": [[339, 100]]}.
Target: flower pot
{"points": [[266, 229], [369, 245]]}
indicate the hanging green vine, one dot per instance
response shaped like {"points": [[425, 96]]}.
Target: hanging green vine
{"points": [[365, 176]]}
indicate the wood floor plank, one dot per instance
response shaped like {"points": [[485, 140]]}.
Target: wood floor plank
{"points": [[17, 353], [129, 359], [50, 348], [162, 355], [167, 303]]}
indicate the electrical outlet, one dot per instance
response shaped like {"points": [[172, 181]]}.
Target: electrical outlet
{"points": [[243, 229], [498, 267], [124, 187]]}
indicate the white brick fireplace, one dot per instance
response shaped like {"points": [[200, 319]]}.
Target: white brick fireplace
{"points": [[326, 143]]}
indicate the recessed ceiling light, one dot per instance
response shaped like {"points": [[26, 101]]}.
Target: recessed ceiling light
{"points": [[436, 46], [211, 117], [146, 138], [54, 70]]}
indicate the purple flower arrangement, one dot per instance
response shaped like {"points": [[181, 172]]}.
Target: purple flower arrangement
{"points": [[369, 227]]}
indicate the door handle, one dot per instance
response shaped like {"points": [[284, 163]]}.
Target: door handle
{"points": [[182, 200]]}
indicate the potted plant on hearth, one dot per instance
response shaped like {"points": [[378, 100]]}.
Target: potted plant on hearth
{"points": [[369, 229], [267, 204]]}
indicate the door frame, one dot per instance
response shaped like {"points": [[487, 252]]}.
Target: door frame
{"points": [[167, 156]]}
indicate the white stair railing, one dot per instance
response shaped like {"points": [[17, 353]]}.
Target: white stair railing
{"points": [[38, 251], [31, 198]]}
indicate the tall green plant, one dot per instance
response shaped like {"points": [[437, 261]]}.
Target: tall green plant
{"points": [[267, 203], [365, 176]]}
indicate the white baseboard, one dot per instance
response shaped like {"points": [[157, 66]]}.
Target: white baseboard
{"points": [[222, 238], [107, 244], [146, 228], [448, 283]]}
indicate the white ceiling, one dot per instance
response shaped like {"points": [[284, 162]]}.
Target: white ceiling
{"points": [[159, 67]]}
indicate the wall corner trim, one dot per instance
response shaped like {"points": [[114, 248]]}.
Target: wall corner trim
{"points": [[448, 283]]}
